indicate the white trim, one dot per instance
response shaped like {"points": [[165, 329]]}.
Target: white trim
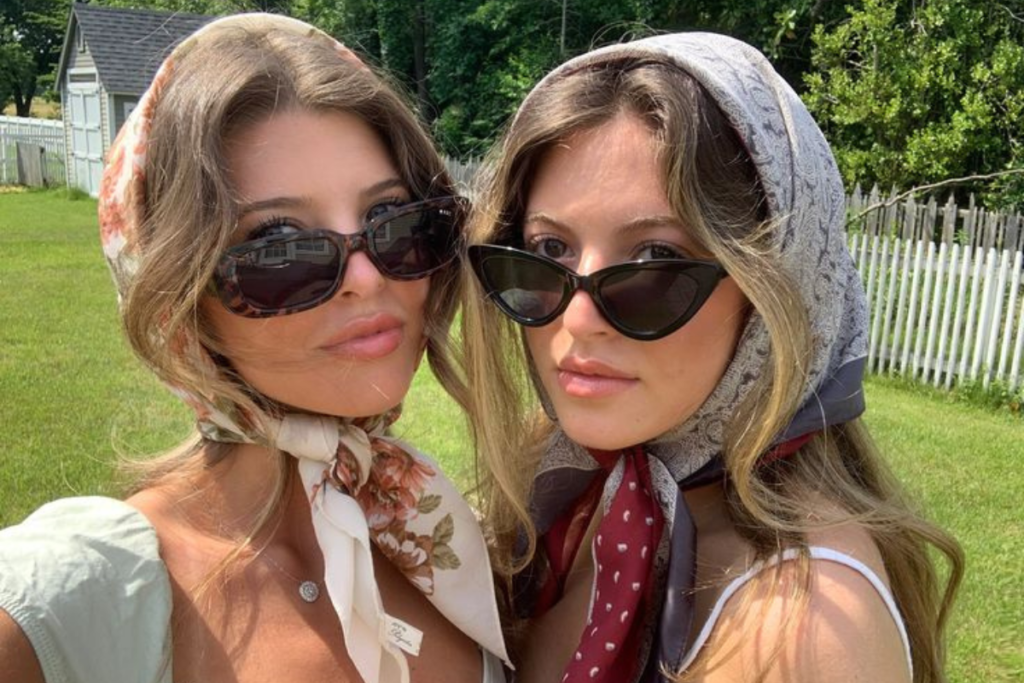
{"points": [[94, 84], [816, 553], [111, 123]]}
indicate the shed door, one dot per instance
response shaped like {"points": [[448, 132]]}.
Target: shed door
{"points": [[86, 136]]}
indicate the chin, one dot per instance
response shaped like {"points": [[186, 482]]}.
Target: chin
{"points": [[375, 400], [613, 430], [347, 396], [591, 434]]}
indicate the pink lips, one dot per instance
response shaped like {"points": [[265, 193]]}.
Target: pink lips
{"points": [[588, 378], [367, 338]]}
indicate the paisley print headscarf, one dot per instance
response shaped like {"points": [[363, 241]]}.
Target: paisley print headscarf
{"points": [[363, 486], [645, 547]]}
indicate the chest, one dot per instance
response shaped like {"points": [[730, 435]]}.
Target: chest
{"points": [[257, 630], [553, 637]]}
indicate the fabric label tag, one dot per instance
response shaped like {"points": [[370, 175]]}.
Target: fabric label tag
{"points": [[404, 636]]}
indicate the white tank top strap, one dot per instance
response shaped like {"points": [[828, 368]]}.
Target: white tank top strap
{"points": [[816, 553]]}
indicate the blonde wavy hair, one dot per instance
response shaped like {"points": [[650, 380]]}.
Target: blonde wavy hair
{"points": [[713, 187], [235, 77]]}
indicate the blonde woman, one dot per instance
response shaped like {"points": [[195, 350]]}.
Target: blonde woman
{"points": [[283, 239], [661, 264]]}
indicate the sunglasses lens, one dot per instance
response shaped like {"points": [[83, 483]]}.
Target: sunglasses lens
{"points": [[644, 300], [649, 298], [530, 290], [417, 241], [289, 273]]}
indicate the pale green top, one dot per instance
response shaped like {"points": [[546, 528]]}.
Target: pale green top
{"points": [[83, 579]]}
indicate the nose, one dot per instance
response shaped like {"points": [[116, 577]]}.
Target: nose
{"points": [[361, 276], [582, 318]]}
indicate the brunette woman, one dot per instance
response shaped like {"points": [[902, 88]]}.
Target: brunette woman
{"points": [[283, 239], [662, 266]]}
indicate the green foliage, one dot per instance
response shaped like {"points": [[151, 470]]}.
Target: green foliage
{"points": [[478, 58], [996, 396], [211, 7], [470, 62], [909, 95], [485, 55], [17, 69], [780, 28], [31, 36], [72, 194]]}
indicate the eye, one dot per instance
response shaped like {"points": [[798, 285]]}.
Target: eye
{"points": [[659, 250], [549, 247], [270, 227], [383, 206]]}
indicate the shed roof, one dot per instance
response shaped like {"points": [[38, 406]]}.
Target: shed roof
{"points": [[128, 45]]}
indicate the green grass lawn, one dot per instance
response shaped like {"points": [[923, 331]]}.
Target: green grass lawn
{"points": [[72, 398]]}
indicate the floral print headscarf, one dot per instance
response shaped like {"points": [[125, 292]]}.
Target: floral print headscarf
{"points": [[363, 486]]}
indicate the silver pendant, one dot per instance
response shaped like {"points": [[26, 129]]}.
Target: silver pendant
{"points": [[309, 591]]}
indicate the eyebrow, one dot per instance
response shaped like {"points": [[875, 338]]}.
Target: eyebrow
{"points": [[306, 200], [636, 225], [273, 203]]}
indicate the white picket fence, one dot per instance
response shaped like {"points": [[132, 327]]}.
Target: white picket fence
{"points": [[47, 134], [944, 287]]}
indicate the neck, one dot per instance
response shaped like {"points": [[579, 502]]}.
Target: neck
{"points": [[708, 508], [228, 499]]}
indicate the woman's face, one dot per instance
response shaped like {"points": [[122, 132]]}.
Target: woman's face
{"points": [[355, 354], [598, 199]]}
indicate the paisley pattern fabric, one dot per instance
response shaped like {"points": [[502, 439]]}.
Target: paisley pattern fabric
{"points": [[365, 488], [806, 204]]}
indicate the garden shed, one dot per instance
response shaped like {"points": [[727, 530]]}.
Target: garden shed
{"points": [[110, 56]]}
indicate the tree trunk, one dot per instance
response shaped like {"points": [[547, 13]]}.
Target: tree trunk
{"points": [[22, 102], [819, 5], [561, 40], [419, 61]]}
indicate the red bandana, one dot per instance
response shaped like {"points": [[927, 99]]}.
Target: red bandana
{"points": [[624, 546]]}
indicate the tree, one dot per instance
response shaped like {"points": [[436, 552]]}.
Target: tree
{"points": [[782, 29], [210, 7], [31, 35], [909, 95], [485, 55]]}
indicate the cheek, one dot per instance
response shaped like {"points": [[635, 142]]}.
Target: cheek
{"points": [[412, 297], [239, 336], [731, 308], [539, 344], [266, 352], [690, 366]]}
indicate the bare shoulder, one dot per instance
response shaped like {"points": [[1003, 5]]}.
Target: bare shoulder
{"points": [[845, 633], [188, 554], [18, 661]]}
